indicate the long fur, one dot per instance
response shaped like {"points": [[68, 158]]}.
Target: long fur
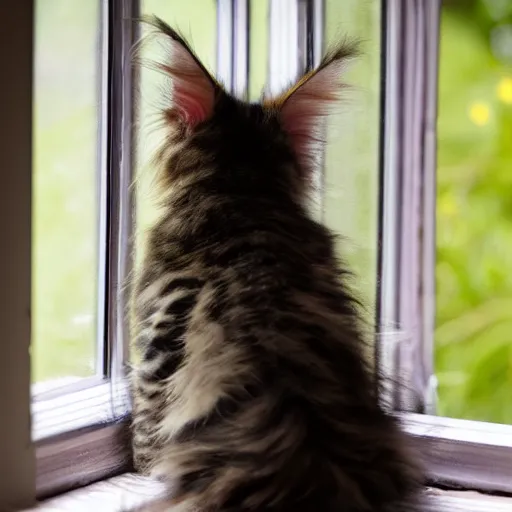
{"points": [[253, 393]]}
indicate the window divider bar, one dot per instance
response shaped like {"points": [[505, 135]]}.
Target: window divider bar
{"points": [[389, 255], [428, 250], [101, 355], [310, 33], [124, 32], [411, 365], [241, 30], [405, 353], [317, 31], [233, 45], [284, 58], [225, 38]]}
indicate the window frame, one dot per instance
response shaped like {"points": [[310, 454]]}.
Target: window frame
{"points": [[456, 453], [233, 22], [93, 431], [81, 430]]}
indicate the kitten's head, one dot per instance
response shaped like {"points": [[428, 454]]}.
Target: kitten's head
{"points": [[265, 149]]}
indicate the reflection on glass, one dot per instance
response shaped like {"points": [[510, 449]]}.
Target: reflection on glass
{"points": [[65, 207], [473, 339], [351, 167]]}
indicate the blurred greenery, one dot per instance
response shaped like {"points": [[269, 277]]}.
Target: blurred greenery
{"points": [[474, 275], [64, 260], [351, 174], [473, 339]]}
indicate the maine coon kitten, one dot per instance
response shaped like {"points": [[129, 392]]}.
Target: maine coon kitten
{"points": [[252, 393]]}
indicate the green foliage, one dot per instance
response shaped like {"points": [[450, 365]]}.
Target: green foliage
{"points": [[64, 211], [473, 357]]}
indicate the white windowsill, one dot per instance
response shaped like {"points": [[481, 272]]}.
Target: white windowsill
{"points": [[82, 403], [463, 454], [129, 491]]}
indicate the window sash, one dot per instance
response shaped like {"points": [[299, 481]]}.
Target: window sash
{"points": [[93, 412], [455, 452], [296, 45], [94, 452], [82, 430], [233, 45], [406, 295], [123, 32]]}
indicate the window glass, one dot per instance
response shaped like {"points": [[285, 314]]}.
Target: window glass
{"points": [[65, 189], [258, 48], [351, 173], [197, 21], [473, 340], [350, 203]]}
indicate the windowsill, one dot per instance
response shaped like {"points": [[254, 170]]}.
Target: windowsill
{"points": [[129, 491]]}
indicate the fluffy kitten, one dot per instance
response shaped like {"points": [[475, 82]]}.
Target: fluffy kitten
{"points": [[252, 393]]}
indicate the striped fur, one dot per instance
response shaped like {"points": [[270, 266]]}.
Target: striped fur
{"points": [[252, 392]]}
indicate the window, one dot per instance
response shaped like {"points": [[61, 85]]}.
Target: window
{"points": [[65, 201], [82, 226], [404, 213], [347, 198], [456, 452]]}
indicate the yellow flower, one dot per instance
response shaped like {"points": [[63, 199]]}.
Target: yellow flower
{"points": [[447, 205], [505, 90], [479, 113]]}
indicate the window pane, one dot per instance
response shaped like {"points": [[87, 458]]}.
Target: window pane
{"points": [[351, 172], [258, 48], [197, 21], [350, 202], [474, 212], [65, 189]]}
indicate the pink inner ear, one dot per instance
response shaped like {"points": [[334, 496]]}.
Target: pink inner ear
{"points": [[305, 109], [193, 108], [192, 90]]}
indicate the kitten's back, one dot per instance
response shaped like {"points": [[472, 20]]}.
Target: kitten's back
{"points": [[253, 392]]}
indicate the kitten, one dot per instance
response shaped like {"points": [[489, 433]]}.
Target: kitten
{"points": [[252, 393]]}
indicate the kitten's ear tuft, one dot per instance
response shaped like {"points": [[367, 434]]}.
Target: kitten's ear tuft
{"points": [[193, 89], [304, 106]]}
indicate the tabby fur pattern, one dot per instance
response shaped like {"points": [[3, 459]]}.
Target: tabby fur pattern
{"points": [[252, 392]]}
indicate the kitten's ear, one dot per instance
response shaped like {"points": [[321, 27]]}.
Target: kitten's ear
{"points": [[303, 108], [193, 89]]}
